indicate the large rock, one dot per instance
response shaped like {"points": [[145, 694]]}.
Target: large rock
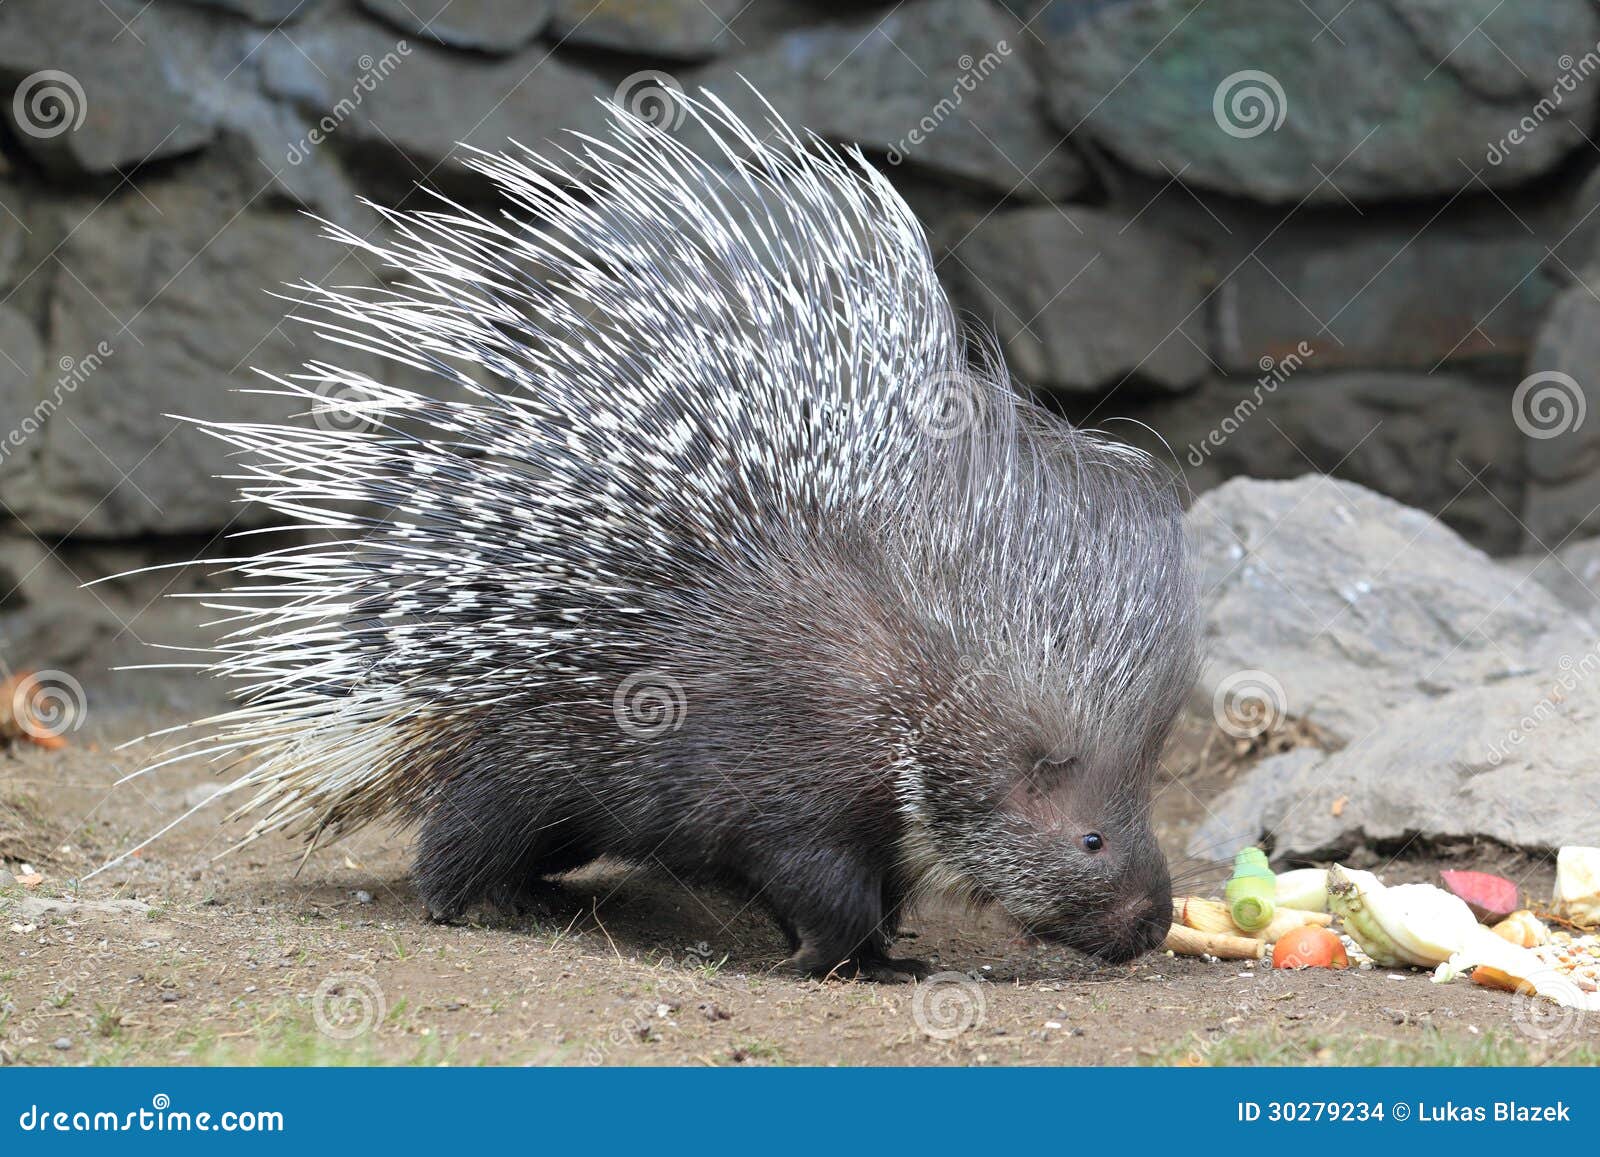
{"points": [[1512, 762], [51, 621], [1346, 604], [404, 107], [1081, 298], [945, 85], [498, 27], [1571, 573], [13, 230], [674, 29], [84, 95], [159, 304], [1420, 438], [269, 12], [260, 136], [48, 620], [1324, 100], [1558, 410], [1577, 250], [1370, 297]]}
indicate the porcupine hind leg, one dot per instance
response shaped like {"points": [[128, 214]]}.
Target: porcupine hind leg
{"points": [[833, 910], [468, 853]]}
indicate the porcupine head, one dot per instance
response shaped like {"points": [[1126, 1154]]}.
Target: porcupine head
{"points": [[714, 546]]}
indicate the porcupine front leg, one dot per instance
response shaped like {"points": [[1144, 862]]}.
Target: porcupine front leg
{"points": [[834, 907]]}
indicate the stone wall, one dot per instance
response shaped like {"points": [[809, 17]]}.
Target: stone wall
{"points": [[1280, 237]]}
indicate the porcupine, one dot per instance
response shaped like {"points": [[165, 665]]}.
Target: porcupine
{"points": [[747, 563]]}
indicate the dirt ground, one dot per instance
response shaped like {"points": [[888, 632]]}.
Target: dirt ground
{"points": [[270, 955]]}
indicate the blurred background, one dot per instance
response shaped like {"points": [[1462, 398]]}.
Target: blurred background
{"points": [[1262, 238]]}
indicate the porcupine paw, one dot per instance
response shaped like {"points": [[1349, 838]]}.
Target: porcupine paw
{"points": [[895, 969], [537, 898], [818, 964]]}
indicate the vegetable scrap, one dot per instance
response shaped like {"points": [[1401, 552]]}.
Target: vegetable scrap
{"points": [[1475, 926], [19, 718], [1252, 891], [1310, 947], [1492, 898]]}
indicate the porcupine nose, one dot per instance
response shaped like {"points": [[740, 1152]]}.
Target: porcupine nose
{"points": [[1133, 927], [1140, 917]]}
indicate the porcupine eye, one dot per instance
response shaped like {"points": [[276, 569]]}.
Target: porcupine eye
{"points": [[1092, 842]]}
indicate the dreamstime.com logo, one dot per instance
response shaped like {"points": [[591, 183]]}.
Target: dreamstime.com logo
{"points": [[1573, 672], [973, 73], [1249, 703], [49, 103], [343, 408], [1548, 404], [373, 73], [1249, 103], [649, 703], [1555, 1014], [1274, 372], [48, 704], [655, 97], [160, 1117], [947, 1004], [952, 403], [74, 372], [1573, 74], [348, 1005]]}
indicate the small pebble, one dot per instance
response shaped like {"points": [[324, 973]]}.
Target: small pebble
{"points": [[1052, 1024], [6, 879], [169, 997], [63, 1043]]}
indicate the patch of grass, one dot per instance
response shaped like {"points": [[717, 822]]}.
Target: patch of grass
{"points": [[1432, 1048], [107, 1021], [755, 1049], [281, 1042]]}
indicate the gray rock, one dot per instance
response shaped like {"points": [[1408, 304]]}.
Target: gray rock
{"points": [[1511, 762], [945, 85], [273, 12], [1081, 298], [1577, 250], [46, 619], [165, 311], [403, 107], [499, 27], [1353, 604], [1572, 573], [1369, 297], [21, 357], [98, 99], [1559, 413], [673, 29], [1398, 98], [1419, 438], [13, 233], [260, 136]]}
